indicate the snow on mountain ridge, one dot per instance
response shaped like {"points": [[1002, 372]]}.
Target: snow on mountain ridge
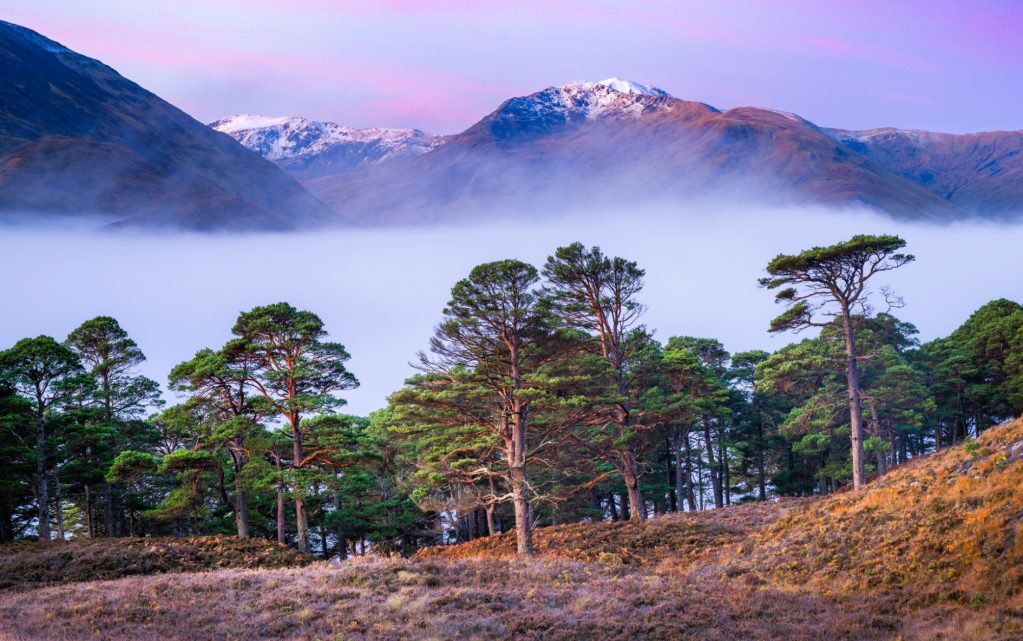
{"points": [[788, 114], [918, 136], [284, 138], [69, 58], [628, 86], [588, 100]]}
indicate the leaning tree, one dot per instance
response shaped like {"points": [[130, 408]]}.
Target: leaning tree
{"points": [[832, 282]]}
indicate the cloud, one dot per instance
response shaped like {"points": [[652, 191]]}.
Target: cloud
{"points": [[380, 292]]}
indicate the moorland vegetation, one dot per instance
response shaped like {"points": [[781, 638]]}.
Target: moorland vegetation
{"points": [[545, 420], [929, 551]]}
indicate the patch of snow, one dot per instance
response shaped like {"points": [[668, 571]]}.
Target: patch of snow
{"points": [[67, 57], [627, 86], [242, 122], [876, 136], [40, 41], [788, 114]]}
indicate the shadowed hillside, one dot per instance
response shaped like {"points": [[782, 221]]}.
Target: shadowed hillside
{"points": [[78, 138], [982, 172]]}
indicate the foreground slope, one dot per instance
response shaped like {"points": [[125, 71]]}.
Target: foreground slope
{"points": [[942, 526], [586, 145], [933, 550], [78, 138]]}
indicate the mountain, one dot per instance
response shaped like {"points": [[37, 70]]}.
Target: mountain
{"points": [[585, 145], [982, 173], [78, 138], [308, 149]]}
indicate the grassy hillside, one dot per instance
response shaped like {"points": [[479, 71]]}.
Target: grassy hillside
{"points": [[930, 551]]}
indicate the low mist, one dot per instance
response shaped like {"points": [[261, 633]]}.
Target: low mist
{"points": [[381, 291]]}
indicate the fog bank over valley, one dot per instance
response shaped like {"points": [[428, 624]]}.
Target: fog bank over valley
{"points": [[381, 291]]}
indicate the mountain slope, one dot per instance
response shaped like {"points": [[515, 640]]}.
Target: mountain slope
{"points": [[982, 173], [78, 138], [587, 145], [309, 149]]}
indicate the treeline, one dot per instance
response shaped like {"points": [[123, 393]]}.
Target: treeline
{"points": [[542, 400]]}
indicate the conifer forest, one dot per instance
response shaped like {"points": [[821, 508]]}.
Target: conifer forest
{"points": [[542, 400]]}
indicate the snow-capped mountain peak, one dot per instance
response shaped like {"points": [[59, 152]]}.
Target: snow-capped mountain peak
{"points": [[588, 100], [628, 86], [296, 143]]}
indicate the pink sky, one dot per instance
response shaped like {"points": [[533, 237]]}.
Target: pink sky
{"points": [[441, 65]]}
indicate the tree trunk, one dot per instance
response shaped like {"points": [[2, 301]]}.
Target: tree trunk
{"points": [[690, 494], [59, 509], [699, 476], [523, 533], [43, 496], [855, 407], [676, 446], [301, 516], [630, 475], [88, 512], [613, 507], [108, 510], [516, 449], [241, 511], [491, 526], [726, 473], [715, 480], [669, 451], [760, 475], [342, 544], [280, 505]]}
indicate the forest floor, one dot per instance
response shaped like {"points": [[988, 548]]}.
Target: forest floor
{"points": [[932, 550]]}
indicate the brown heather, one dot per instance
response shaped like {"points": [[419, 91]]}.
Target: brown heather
{"points": [[32, 564], [930, 551]]}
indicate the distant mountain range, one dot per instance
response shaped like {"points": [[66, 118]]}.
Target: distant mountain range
{"points": [[77, 138], [308, 149], [618, 143]]}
